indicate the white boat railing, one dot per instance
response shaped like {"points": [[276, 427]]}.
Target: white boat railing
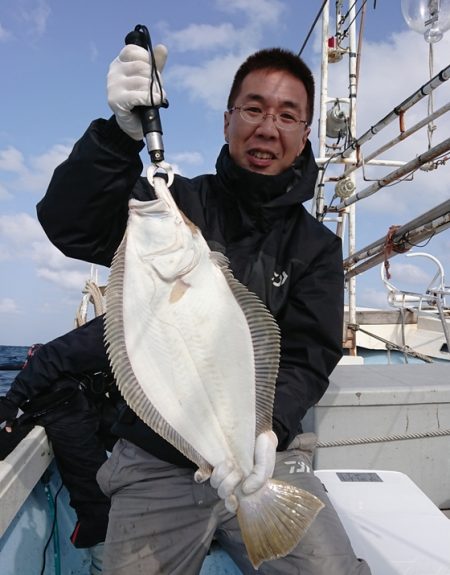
{"points": [[431, 300], [20, 471]]}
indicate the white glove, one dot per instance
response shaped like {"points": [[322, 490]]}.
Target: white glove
{"points": [[129, 84], [225, 478], [264, 463]]}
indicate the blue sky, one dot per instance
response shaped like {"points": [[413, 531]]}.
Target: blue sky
{"points": [[55, 57]]}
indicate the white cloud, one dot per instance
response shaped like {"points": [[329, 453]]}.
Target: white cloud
{"points": [[4, 253], [66, 278], [371, 297], [11, 160], [46, 254], [209, 82], [4, 194], [385, 201], [408, 273], [38, 175], [8, 306], [257, 11], [36, 14], [183, 161], [20, 229], [31, 174], [191, 158], [4, 34], [22, 238], [54, 267], [204, 37], [93, 51], [52, 158]]}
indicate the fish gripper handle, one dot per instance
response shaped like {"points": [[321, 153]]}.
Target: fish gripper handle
{"points": [[149, 115]]}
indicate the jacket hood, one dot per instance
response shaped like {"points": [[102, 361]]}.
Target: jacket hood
{"points": [[264, 197]]}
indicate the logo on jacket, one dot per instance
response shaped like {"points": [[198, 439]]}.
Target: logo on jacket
{"points": [[279, 279], [298, 466]]}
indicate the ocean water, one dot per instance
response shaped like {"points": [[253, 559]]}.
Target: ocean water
{"points": [[11, 357]]}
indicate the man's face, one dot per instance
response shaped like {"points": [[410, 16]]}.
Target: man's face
{"points": [[263, 147]]}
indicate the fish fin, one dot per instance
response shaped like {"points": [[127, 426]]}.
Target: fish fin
{"points": [[132, 392], [220, 260], [274, 519], [265, 335]]}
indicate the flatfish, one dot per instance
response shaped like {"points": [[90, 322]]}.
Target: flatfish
{"points": [[196, 356]]}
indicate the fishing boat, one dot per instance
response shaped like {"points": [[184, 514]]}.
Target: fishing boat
{"points": [[383, 426]]}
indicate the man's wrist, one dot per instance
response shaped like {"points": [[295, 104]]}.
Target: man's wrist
{"points": [[118, 140]]}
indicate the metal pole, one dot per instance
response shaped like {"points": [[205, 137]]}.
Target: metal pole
{"points": [[317, 204], [424, 226], [368, 160], [352, 69], [409, 167], [425, 90]]}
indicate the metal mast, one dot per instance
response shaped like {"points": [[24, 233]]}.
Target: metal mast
{"points": [[340, 112]]}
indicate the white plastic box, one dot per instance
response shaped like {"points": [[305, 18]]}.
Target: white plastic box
{"points": [[390, 522]]}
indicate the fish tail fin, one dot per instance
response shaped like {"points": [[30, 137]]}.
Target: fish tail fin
{"points": [[274, 519]]}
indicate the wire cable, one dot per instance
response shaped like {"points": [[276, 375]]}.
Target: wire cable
{"points": [[53, 505], [312, 28]]}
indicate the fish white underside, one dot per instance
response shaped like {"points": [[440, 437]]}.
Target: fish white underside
{"points": [[184, 341], [192, 353]]}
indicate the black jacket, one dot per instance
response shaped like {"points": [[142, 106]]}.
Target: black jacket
{"points": [[71, 360], [275, 247], [77, 423]]}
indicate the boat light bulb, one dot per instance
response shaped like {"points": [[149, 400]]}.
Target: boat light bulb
{"points": [[428, 17]]}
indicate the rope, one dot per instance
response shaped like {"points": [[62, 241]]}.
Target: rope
{"points": [[391, 345], [390, 246], [382, 439], [96, 296], [93, 294]]}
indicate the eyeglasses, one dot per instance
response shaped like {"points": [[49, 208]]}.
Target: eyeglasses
{"points": [[282, 120]]}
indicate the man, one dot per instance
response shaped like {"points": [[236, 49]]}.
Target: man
{"points": [[63, 386], [161, 520]]}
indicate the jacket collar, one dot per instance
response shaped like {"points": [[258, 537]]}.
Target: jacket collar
{"points": [[265, 198]]}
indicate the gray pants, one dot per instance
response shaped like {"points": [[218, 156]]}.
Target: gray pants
{"points": [[162, 523]]}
